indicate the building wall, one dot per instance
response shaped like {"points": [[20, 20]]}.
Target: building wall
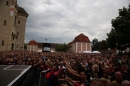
{"points": [[73, 47], [11, 27], [88, 47], [39, 48], [21, 30], [78, 47], [84, 46], [33, 48]]}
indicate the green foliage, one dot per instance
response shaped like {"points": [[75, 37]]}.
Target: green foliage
{"points": [[25, 46], [120, 29], [95, 45], [112, 38], [103, 45], [99, 45], [62, 47]]}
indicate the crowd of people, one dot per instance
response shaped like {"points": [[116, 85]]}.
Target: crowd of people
{"points": [[74, 69]]}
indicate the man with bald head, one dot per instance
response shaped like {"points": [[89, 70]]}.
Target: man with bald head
{"points": [[125, 83], [118, 79]]}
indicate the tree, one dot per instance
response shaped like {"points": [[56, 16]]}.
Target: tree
{"points": [[112, 38], [25, 46], [103, 45], [95, 44], [62, 47], [121, 27]]}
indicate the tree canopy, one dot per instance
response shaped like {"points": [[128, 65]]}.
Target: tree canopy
{"points": [[99, 45], [112, 39], [95, 44], [62, 47], [120, 32]]}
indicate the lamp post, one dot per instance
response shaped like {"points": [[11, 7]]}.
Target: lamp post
{"points": [[46, 40]]}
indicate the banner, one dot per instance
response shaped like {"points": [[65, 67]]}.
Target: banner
{"points": [[11, 10]]}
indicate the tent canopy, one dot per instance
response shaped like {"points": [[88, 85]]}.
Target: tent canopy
{"points": [[91, 52]]}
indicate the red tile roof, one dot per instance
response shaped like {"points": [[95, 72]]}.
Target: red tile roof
{"points": [[33, 42], [81, 38]]}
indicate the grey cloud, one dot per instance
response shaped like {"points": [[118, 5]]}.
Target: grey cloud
{"points": [[60, 21]]}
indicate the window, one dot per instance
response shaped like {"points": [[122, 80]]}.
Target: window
{"points": [[14, 20], [17, 46], [17, 33], [12, 2], [18, 22], [12, 36], [12, 33], [2, 43], [5, 22], [7, 2]]}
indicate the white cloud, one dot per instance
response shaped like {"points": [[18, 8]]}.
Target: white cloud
{"points": [[60, 21]]}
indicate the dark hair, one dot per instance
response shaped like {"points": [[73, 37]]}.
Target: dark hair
{"points": [[83, 72], [80, 69], [117, 68], [89, 63], [56, 66]]}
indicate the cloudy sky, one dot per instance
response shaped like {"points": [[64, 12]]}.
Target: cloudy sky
{"points": [[59, 21]]}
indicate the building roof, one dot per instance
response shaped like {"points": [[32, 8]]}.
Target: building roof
{"points": [[81, 38], [22, 11], [33, 42], [40, 45]]}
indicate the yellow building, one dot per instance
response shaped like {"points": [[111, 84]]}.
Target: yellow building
{"points": [[12, 25]]}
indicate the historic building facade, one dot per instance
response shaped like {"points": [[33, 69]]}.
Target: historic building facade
{"points": [[12, 25], [34, 46], [80, 43]]}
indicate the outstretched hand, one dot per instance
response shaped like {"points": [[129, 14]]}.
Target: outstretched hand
{"points": [[64, 60], [67, 79]]}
